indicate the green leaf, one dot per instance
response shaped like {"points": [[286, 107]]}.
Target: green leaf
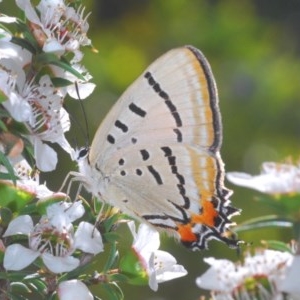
{"points": [[133, 268], [3, 98], [28, 41], [60, 82], [113, 291], [6, 163], [262, 222], [111, 237], [50, 58], [5, 216], [6, 176], [24, 43], [14, 197], [2, 124], [19, 288], [37, 285], [112, 257], [277, 245]]}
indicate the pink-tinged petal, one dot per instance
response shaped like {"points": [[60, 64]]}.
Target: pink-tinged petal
{"points": [[46, 157], [57, 264], [17, 257], [88, 238], [19, 225], [146, 239], [73, 289]]}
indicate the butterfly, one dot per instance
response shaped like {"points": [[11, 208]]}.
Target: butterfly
{"points": [[156, 154]]}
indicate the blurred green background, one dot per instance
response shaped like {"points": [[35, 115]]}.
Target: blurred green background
{"points": [[253, 48]]}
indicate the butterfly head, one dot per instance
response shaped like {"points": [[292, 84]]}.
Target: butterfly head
{"points": [[82, 153]]}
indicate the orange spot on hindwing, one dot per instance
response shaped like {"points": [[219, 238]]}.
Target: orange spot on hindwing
{"points": [[208, 215]]}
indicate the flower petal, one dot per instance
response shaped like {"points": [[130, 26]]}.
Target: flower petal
{"points": [[73, 289], [62, 214], [290, 284], [46, 157], [58, 264], [20, 225], [275, 178], [83, 89], [166, 267], [17, 257], [88, 238], [146, 239]]}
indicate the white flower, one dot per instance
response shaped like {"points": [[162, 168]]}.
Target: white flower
{"points": [[28, 180], [12, 80], [275, 178], [261, 274], [290, 284], [57, 27], [53, 239], [73, 289], [79, 89], [160, 265], [39, 106]]}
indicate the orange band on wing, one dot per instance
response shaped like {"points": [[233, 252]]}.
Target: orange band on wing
{"points": [[208, 214], [186, 233]]}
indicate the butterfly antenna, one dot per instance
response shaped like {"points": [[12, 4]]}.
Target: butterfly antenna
{"points": [[84, 115], [85, 132]]}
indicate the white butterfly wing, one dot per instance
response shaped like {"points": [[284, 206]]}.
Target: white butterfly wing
{"points": [[157, 150]]}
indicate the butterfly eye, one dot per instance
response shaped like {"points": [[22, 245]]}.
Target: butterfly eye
{"points": [[82, 153]]}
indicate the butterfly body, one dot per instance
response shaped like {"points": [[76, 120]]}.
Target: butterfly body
{"points": [[156, 154]]}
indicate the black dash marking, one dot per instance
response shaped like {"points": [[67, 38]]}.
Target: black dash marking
{"points": [[145, 154], [179, 176], [179, 135], [121, 162], [123, 173], [110, 139], [121, 126], [156, 87], [138, 172], [167, 151], [155, 175], [125, 200], [163, 95], [177, 118], [170, 105], [184, 197], [133, 140], [172, 160], [137, 110]]}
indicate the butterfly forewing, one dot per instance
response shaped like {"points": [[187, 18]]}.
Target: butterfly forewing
{"points": [[157, 150]]}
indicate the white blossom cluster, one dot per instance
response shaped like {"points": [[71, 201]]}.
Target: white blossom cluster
{"points": [[29, 68]]}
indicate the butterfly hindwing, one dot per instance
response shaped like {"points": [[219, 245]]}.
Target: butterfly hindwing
{"points": [[156, 154]]}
